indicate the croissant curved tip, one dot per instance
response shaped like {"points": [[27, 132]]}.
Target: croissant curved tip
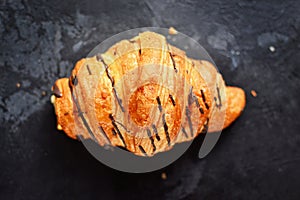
{"points": [[63, 106], [236, 101]]}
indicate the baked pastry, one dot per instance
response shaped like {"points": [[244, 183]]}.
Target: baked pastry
{"points": [[144, 95]]}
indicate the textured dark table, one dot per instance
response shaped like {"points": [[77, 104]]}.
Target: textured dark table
{"points": [[258, 157]]}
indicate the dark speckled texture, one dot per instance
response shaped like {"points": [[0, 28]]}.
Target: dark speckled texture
{"points": [[258, 157]]}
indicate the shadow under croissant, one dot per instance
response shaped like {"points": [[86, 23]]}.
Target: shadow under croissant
{"points": [[121, 159]]}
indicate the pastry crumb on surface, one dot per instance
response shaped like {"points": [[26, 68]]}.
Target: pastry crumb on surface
{"points": [[164, 176], [172, 31], [44, 93], [272, 48], [253, 93], [18, 85]]}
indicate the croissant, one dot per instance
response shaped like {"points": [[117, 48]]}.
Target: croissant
{"points": [[144, 95]]}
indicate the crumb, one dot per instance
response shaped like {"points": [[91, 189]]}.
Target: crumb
{"points": [[164, 176], [172, 31], [52, 99], [18, 85], [272, 48], [44, 93], [253, 93]]}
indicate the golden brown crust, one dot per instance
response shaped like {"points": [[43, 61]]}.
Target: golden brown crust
{"points": [[64, 107], [236, 101], [157, 115]]}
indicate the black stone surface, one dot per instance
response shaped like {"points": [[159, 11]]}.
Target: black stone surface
{"points": [[258, 157]]}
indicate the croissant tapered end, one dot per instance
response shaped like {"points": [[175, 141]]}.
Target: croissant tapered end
{"points": [[63, 105], [236, 101]]}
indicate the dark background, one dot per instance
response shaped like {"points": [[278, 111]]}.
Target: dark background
{"points": [[258, 157]]}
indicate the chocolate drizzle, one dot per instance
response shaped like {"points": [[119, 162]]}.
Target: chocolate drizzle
{"points": [[188, 115], [118, 100], [104, 134], [89, 70], [99, 58], [184, 132], [156, 133], [151, 139], [192, 99], [201, 110], [206, 106], [203, 96], [166, 129], [116, 129], [142, 150], [80, 114], [172, 99], [198, 106], [205, 128], [159, 103], [123, 126], [219, 105], [172, 58], [74, 80], [173, 62], [113, 131]]}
